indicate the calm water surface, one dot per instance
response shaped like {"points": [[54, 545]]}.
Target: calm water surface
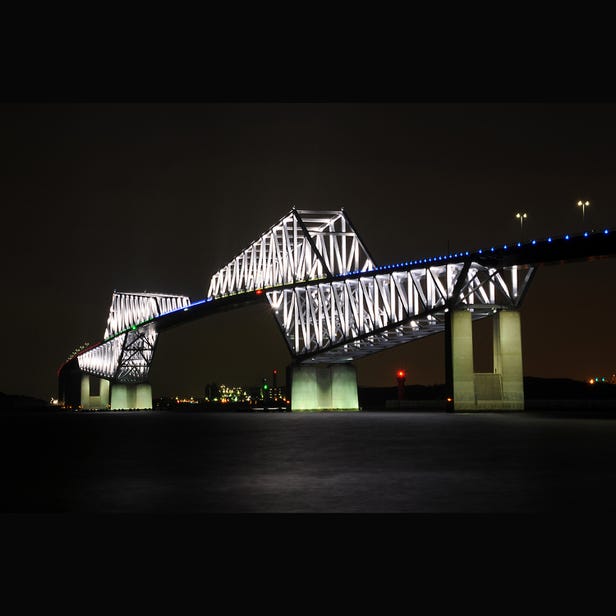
{"points": [[185, 462]]}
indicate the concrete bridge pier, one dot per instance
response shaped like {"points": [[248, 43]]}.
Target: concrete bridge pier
{"points": [[116, 396], [131, 396], [502, 389], [323, 387], [97, 401]]}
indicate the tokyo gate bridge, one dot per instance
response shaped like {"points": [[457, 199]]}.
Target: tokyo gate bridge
{"points": [[333, 304]]}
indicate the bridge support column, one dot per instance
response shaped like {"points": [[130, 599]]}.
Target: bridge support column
{"points": [[84, 398], [324, 388], [105, 389], [124, 397], [459, 360], [508, 358], [88, 401], [502, 389]]}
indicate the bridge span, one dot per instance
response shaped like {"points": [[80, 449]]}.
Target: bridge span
{"points": [[333, 305]]}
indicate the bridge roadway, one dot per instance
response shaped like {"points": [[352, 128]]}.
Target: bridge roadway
{"points": [[548, 251]]}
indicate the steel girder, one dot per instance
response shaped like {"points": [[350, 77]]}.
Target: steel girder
{"points": [[302, 246], [345, 319], [333, 306], [126, 354], [127, 309], [103, 359], [137, 354]]}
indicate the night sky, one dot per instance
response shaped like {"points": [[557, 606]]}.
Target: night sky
{"points": [[158, 197]]}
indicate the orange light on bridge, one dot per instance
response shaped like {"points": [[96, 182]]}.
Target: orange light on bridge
{"points": [[259, 291]]}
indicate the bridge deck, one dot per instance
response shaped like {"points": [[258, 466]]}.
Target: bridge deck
{"points": [[547, 251]]}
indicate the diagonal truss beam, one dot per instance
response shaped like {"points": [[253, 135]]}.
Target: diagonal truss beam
{"points": [[302, 246], [127, 351], [343, 319]]}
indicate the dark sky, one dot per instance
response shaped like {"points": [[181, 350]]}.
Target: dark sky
{"points": [[157, 197]]}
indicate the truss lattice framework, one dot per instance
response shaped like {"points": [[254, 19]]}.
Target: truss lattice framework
{"points": [[346, 319], [126, 354], [304, 245], [130, 308]]}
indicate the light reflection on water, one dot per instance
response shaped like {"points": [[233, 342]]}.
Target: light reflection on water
{"points": [[420, 461]]}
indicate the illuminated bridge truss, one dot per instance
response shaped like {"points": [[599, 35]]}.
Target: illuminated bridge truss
{"points": [[331, 302], [340, 320], [126, 354], [304, 245], [335, 306]]}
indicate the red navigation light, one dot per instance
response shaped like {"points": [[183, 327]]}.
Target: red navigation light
{"points": [[401, 374], [259, 291]]}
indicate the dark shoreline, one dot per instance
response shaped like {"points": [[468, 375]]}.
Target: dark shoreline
{"points": [[552, 407]]}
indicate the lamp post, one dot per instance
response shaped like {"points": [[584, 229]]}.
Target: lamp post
{"points": [[583, 205], [522, 218]]}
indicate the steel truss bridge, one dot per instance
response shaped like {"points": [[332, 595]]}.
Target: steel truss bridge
{"points": [[331, 301]]}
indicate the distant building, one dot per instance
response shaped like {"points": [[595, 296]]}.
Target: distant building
{"points": [[224, 394]]}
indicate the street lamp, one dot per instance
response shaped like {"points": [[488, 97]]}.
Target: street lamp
{"points": [[522, 218], [583, 205]]}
